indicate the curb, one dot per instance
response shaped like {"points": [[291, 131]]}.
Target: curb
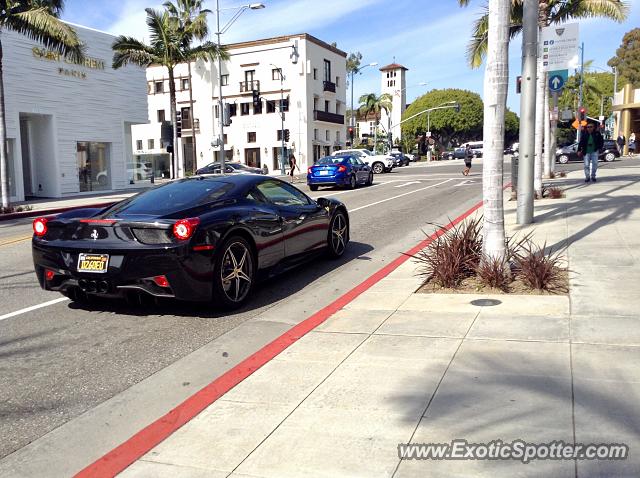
{"points": [[46, 212], [125, 454]]}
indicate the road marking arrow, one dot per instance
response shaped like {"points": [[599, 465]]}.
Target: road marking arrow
{"points": [[464, 183], [407, 184]]}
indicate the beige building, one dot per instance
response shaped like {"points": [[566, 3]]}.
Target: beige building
{"points": [[626, 108]]}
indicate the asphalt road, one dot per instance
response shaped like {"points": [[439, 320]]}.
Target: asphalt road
{"points": [[62, 360]]}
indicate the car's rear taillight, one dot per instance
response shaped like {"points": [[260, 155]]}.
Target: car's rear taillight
{"points": [[184, 228], [342, 168], [40, 226], [49, 274], [310, 170], [161, 281]]}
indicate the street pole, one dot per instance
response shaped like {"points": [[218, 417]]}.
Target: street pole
{"points": [[220, 104], [193, 123], [352, 119], [615, 80], [528, 112], [282, 167], [580, 93], [428, 130], [553, 143]]}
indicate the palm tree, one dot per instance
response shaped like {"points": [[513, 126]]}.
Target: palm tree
{"points": [[38, 20], [550, 12], [371, 103], [169, 46]]}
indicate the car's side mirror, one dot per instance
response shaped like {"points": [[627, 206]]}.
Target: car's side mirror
{"points": [[322, 202]]}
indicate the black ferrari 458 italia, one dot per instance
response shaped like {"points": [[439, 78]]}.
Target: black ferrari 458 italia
{"points": [[197, 239]]}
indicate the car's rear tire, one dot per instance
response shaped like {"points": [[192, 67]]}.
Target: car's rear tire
{"points": [[338, 235], [369, 179], [377, 167], [352, 182], [563, 159], [233, 273], [313, 187], [609, 157]]}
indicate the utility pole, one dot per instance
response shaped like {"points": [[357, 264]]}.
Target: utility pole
{"points": [[220, 101], [527, 111], [193, 123], [580, 94]]}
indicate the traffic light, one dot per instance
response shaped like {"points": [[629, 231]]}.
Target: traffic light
{"points": [[256, 99], [178, 124], [226, 115], [582, 113], [390, 139], [286, 135], [351, 134], [166, 132], [457, 107], [519, 85]]}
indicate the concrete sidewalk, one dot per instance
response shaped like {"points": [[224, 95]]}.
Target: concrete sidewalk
{"points": [[395, 367]]}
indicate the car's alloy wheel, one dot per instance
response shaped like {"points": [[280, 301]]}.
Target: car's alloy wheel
{"points": [[563, 159], [338, 234], [378, 168], [609, 157], [234, 272]]}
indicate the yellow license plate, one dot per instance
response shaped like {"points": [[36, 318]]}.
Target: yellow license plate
{"points": [[93, 263]]}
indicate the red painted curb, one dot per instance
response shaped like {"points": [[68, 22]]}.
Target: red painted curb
{"points": [[135, 447], [46, 212]]}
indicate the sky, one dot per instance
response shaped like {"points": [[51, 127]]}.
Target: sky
{"points": [[429, 37]]}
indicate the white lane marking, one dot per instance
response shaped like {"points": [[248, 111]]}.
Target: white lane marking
{"points": [[399, 196], [464, 183], [33, 307], [406, 184]]}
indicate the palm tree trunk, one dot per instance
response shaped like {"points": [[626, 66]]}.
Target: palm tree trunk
{"points": [[375, 136], [539, 133], [496, 81], [172, 100], [4, 170]]}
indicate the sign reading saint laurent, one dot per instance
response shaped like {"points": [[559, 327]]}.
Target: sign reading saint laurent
{"points": [[87, 62]]}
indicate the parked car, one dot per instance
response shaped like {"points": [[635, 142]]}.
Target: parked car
{"points": [[412, 157], [447, 155], [460, 152], [400, 159], [139, 171], [380, 163], [203, 238], [477, 147], [236, 168], [568, 153], [345, 170]]}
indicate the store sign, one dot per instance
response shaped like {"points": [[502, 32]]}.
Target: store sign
{"points": [[87, 62]]}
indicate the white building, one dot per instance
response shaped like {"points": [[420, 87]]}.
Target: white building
{"points": [[394, 82], [314, 95], [69, 125]]}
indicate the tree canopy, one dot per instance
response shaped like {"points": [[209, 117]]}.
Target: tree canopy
{"points": [[627, 59], [597, 88], [447, 125]]}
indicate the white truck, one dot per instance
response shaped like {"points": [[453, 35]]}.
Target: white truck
{"points": [[380, 163]]}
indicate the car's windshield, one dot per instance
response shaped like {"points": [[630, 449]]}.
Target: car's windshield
{"points": [[331, 160], [172, 197]]}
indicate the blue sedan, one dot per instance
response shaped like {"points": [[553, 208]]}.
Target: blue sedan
{"points": [[344, 170]]}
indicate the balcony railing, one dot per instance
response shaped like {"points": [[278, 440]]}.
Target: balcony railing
{"points": [[319, 115], [249, 86], [329, 86]]}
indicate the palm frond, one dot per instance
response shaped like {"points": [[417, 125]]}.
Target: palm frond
{"points": [[129, 50], [42, 26], [207, 51], [616, 10]]}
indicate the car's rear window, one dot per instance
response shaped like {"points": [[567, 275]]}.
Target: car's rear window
{"points": [[173, 197], [331, 160]]}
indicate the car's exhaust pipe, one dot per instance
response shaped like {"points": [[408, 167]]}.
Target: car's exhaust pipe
{"points": [[103, 287]]}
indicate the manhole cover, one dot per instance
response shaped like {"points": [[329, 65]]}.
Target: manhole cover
{"points": [[486, 302]]}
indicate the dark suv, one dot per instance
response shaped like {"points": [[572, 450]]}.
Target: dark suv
{"points": [[568, 153]]}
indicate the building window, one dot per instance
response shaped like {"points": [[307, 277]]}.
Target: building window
{"points": [[186, 118], [327, 70], [159, 87], [327, 135], [371, 127], [337, 81], [315, 73], [244, 108], [233, 109], [337, 136], [161, 117], [271, 106], [326, 105], [150, 144], [257, 108], [216, 111], [275, 74], [224, 138], [337, 107], [225, 80], [93, 162], [315, 133], [315, 103], [251, 137], [138, 144], [184, 83]]}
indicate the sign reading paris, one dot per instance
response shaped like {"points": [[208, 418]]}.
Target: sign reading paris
{"points": [[559, 47]]}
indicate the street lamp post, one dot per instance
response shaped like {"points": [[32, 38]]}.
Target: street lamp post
{"points": [[443, 105], [357, 70], [219, 32], [282, 149], [399, 92]]}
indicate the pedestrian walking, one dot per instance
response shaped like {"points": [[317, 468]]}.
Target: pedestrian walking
{"points": [[468, 156], [589, 147], [621, 141], [293, 165]]}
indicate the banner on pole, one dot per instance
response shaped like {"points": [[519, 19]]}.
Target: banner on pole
{"points": [[559, 47]]}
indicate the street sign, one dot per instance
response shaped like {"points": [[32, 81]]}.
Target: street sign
{"points": [[559, 46], [428, 134], [601, 118], [576, 124], [557, 80]]}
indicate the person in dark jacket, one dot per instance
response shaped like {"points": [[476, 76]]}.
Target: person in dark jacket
{"points": [[591, 142], [621, 141]]}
